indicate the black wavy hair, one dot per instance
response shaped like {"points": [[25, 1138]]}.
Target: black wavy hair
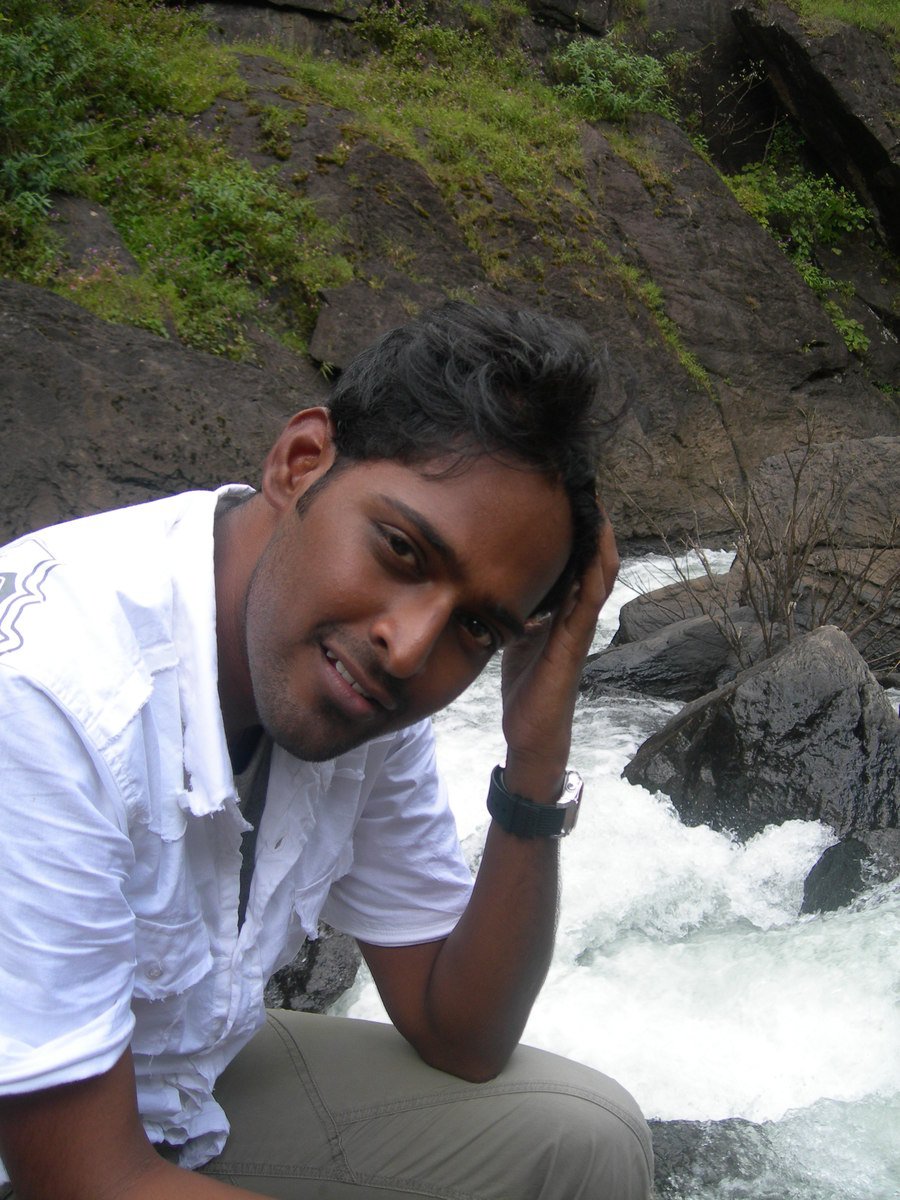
{"points": [[463, 381]]}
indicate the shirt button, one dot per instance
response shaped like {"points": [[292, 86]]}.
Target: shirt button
{"points": [[153, 970], [278, 843]]}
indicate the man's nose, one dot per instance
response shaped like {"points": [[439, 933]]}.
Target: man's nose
{"points": [[406, 633]]}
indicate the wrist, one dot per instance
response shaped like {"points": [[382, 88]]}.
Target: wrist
{"points": [[538, 780], [525, 818]]}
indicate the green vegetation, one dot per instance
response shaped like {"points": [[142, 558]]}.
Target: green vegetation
{"points": [[802, 211], [605, 80], [823, 16], [96, 99], [485, 113], [650, 296]]}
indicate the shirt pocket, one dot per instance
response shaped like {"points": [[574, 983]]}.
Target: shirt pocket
{"points": [[171, 962], [309, 898]]}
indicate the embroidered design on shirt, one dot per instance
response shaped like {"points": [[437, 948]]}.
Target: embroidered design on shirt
{"points": [[20, 588]]}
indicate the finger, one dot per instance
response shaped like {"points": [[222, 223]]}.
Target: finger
{"points": [[607, 551]]}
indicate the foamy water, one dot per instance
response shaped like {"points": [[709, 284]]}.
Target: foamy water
{"points": [[683, 969]]}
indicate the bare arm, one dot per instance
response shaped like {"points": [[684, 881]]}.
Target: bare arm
{"points": [[85, 1141], [463, 1001]]}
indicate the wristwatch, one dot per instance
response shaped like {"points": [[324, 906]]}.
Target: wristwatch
{"points": [[525, 818]]}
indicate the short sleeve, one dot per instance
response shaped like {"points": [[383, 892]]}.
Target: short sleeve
{"points": [[408, 882], [67, 930]]}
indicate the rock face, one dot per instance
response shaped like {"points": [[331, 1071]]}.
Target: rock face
{"points": [[807, 734], [833, 509], [97, 415], [707, 405], [705, 400], [842, 88]]}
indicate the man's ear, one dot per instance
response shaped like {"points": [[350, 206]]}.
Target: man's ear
{"points": [[302, 454]]}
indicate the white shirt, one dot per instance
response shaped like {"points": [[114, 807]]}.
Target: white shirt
{"points": [[122, 829]]}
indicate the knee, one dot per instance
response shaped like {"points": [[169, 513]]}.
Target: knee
{"points": [[582, 1144]]}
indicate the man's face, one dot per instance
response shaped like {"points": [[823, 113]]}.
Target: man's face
{"points": [[383, 599]]}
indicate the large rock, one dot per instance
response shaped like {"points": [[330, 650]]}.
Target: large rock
{"points": [[824, 535], [850, 867], [683, 661], [96, 415], [807, 734], [842, 493], [745, 376], [652, 611], [841, 86], [411, 243]]}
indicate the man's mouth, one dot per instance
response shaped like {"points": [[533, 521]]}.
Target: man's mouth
{"points": [[345, 675]]}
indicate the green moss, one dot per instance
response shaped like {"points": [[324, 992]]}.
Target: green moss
{"points": [[644, 290], [826, 16], [96, 100]]}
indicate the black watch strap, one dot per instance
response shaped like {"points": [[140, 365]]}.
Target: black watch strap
{"points": [[525, 818]]}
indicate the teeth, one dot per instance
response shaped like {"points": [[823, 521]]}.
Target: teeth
{"points": [[345, 674]]}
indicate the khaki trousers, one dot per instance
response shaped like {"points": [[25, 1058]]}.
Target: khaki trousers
{"points": [[325, 1108]]}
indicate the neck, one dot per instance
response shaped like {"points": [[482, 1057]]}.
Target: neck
{"points": [[238, 537]]}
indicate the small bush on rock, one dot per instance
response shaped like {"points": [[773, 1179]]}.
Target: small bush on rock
{"points": [[605, 80]]}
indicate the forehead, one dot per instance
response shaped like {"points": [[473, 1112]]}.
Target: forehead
{"points": [[499, 524]]}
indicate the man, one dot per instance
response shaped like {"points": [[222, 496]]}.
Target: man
{"points": [[175, 676]]}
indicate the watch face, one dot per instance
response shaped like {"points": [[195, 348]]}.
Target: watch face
{"points": [[570, 801], [572, 788]]}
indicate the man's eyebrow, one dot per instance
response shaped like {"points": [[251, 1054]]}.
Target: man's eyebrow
{"points": [[499, 612]]}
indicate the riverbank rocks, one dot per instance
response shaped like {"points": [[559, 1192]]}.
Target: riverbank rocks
{"points": [[820, 545], [807, 734], [683, 660], [322, 971], [691, 1157], [834, 509]]}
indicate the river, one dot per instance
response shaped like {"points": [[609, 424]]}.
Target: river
{"points": [[683, 969]]}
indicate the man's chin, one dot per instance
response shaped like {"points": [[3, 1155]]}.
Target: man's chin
{"points": [[324, 744]]}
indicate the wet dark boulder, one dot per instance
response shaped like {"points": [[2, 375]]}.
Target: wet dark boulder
{"points": [[807, 734], [850, 867], [682, 661], [695, 1158]]}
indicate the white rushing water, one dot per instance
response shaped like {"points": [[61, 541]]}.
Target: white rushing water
{"points": [[683, 969]]}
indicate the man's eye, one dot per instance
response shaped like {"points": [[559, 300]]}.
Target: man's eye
{"points": [[400, 548], [480, 633]]}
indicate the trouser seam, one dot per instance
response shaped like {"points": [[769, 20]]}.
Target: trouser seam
{"points": [[238, 1173], [323, 1112], [482, 1092], [355, 1116]]}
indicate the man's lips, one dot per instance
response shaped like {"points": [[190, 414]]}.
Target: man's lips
{"points": [[363, 686]]}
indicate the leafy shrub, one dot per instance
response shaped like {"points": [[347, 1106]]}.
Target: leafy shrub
{"points": [[800, 208], [803, 210], [606, 80], [69, 72]]}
